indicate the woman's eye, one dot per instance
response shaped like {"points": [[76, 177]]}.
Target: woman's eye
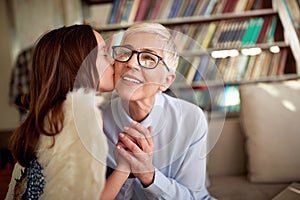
{"points": [[148, 58]]}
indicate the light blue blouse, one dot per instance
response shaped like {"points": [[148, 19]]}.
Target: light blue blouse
{"points": [[179, 136]]}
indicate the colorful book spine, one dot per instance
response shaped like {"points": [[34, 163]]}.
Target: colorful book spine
{"points": [[256, 30], [113, 12], [190, 8], [126, 11], [248, 33], [142, 10]]}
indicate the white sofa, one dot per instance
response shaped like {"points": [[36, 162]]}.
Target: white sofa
{"points": [[258, 152]]}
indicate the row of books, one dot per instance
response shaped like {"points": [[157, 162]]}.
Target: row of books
{"points": [[222, 34], [234, 68], [225, 33], [128, 11], [222, 99]]}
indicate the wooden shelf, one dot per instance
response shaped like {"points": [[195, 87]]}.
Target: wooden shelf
{"points": [[217, 83], [290, 33], [281, 44], [284, 37]]}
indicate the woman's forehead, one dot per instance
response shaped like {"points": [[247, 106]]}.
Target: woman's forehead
{"points": [[144, 40]]}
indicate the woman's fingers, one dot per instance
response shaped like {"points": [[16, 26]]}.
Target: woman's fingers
{"points": [[129, 143], [142, 136]]}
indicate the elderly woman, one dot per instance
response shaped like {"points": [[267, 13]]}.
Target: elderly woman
{"points": [[160, 137]]}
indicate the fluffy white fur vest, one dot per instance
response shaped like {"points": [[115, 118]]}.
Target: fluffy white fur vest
{"points": [[74, 168]]}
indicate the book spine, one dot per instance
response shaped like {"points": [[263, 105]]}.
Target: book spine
{"points": [[113, 12]]}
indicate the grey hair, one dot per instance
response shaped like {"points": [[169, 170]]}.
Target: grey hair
{"points": [[170, 52]]}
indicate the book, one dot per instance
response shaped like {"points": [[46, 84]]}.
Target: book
{"points": [[270, 36], [193, 69], [199, 7], [242, 66], [190, 35], [200, 37], [231, 34], [142, 10], [113, 12], [209, 35], [250, 66], [283, 58], [258, 65], [257, 4], [219, 7], [190, 8], [208, 10], [221, 68], [165, 9], [274, 64], [182, 69], [181, 36], [240, 6], [133, 10], [249, 4], [203, 98], [264, 30], [212, 69], [231, 69], [256, 30], [156, 9], [216, 39], [183, 8], [229, 100], [120, 9], [266, 64], [229, 6], [126, 11], [175, 8], [201, 67], [248, 33], [204, 7], [150, 10], [241, 32]]}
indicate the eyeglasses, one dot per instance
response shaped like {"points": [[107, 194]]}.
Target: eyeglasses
{"points": [[147, 60]]}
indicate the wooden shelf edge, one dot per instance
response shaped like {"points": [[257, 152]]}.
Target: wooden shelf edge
{"points": [[187, 53], [204, 85]]}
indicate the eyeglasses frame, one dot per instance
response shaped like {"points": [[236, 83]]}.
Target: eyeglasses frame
{"points": [[138, 57]]}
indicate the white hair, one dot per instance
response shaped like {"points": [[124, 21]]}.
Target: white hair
{"points": [[170, 52]]}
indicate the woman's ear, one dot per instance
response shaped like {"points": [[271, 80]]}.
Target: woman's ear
{"points": [[169, 79]]}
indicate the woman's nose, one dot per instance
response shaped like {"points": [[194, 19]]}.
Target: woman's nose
{"points": [[133, 62]]}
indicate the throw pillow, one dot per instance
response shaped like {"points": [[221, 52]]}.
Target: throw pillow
{"points": [[270, 116]]}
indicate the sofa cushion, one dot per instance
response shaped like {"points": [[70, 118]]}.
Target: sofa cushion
{"points": [[238, 187], [270, 114]]}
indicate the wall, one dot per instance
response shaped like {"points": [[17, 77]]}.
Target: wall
{"points": [[9, 115], [22, 22]]}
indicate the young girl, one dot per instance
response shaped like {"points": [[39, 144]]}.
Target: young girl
{"points": [[60, 147]]}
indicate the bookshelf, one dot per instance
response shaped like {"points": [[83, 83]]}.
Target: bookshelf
{"points": [[223, 43]]}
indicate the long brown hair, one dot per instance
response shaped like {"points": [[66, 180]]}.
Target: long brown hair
{"points": [[57, 58]]}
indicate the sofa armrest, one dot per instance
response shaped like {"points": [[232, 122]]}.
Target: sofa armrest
{"points": [[227, 156]]}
